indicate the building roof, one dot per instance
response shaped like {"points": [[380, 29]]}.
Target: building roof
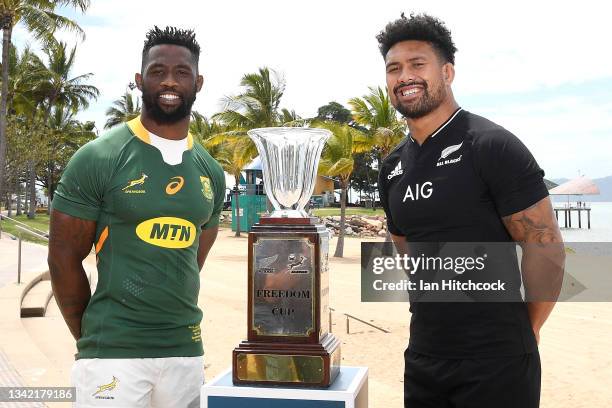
{"points": [[254, 165], [578, 186]]}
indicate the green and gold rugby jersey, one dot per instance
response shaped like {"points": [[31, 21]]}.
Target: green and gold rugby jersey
{"points": [[149, 217]]}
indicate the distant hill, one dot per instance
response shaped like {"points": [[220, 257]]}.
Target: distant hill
{"points": [[560, 180], [604, 184], [605, 187]]}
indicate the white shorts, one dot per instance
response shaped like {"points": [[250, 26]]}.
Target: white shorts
{"points": [[172, 382]]}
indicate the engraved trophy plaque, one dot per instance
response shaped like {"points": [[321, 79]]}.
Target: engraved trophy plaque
{"points": [[288, 283]]}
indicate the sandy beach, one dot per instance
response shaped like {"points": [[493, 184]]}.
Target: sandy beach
{"points": [[575, 342]]}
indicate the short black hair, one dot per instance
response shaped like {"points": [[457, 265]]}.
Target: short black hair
{"points": [[419, 27], [174, 36]]}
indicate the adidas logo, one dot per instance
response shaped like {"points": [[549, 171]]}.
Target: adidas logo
{"points": [[396, 171]]}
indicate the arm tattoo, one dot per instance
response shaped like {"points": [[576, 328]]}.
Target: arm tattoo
{"points": [[536, 224]]}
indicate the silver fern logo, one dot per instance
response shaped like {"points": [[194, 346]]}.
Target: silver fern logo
{"points": [[450, 150], [447, 152]]}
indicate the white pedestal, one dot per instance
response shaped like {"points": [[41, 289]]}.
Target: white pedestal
{"points": [[349, 390]]}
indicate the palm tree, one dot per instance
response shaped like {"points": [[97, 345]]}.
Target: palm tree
{"points": [[377, 114], [27, 77], [27, 87], [256, 107], [61, 89], [123, 110], [65, 136], [337, 161], [39, 18], [208, 132], [233, 159]]}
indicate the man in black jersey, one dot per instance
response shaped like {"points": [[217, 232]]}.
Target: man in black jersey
{"points": [[458, 177]]}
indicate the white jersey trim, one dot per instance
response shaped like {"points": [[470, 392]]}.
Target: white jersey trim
{"points": [[171, 150], [449, 120]]}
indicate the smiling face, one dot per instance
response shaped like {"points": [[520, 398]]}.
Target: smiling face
{"points": [[169, 83], [418, 80]]}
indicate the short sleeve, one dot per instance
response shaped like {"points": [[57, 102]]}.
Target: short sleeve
{"points": [[513, 177], [81, 188], [383, 193], [218, 184]]}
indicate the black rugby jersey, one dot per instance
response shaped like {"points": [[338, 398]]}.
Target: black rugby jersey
{"points": [[456, 187]]}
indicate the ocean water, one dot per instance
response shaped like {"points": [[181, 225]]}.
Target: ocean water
{"points": [[601, 224]]}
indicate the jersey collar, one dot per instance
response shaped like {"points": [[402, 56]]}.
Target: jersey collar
{"points": [[442, 126], [142, 133]]}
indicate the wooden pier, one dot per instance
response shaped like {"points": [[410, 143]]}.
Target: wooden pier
{"points": [[567, 215]]}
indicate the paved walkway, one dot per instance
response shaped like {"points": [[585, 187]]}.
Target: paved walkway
{"points": [[33, 258], [10, 378]]}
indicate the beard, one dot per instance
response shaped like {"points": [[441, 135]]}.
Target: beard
{"points": [[150, 101], [425, 104]]}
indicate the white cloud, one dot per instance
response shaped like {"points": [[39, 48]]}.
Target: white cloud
{"points": [[566, 135], [327, 51]]}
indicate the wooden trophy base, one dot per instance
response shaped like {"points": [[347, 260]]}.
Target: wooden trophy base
{"points": [[296, 365], [288, 343]]}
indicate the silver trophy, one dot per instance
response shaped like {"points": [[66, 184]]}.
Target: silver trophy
{"points": [[290, 159], [289, 342]]}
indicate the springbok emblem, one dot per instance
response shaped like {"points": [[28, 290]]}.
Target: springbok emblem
{"points": [[137, 182], [107, 387]]}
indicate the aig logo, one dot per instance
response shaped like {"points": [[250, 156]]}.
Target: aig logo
{"points": [[419, 191]]}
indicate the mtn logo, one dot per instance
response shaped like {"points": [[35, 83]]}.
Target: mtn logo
{"points": [[167, 232], [396, 171]]}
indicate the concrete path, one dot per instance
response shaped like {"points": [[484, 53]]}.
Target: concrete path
{"points": [[33, 258], [10, 378], [33, 261]]}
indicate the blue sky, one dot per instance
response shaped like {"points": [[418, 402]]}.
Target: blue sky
{"points": [[541, 69]]}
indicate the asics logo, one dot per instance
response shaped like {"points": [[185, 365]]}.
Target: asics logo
{"points": [[175, 185]]}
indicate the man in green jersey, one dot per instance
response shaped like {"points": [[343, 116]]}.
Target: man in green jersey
{"points": [[148, 198]]}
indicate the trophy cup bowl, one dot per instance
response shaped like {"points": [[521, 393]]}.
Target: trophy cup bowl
{"points": [[289, 341], [290, 158]]}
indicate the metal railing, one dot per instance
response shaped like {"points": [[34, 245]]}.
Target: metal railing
{"points": [[22, 229], [348, 317], [26, 226]]}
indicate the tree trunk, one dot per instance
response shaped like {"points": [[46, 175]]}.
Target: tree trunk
{"points": [[49, 188], [340, 245], [26, 193], [18, 194], [7, 28], [237, 192], [379, 161], [32, 178], [9, 205]]}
